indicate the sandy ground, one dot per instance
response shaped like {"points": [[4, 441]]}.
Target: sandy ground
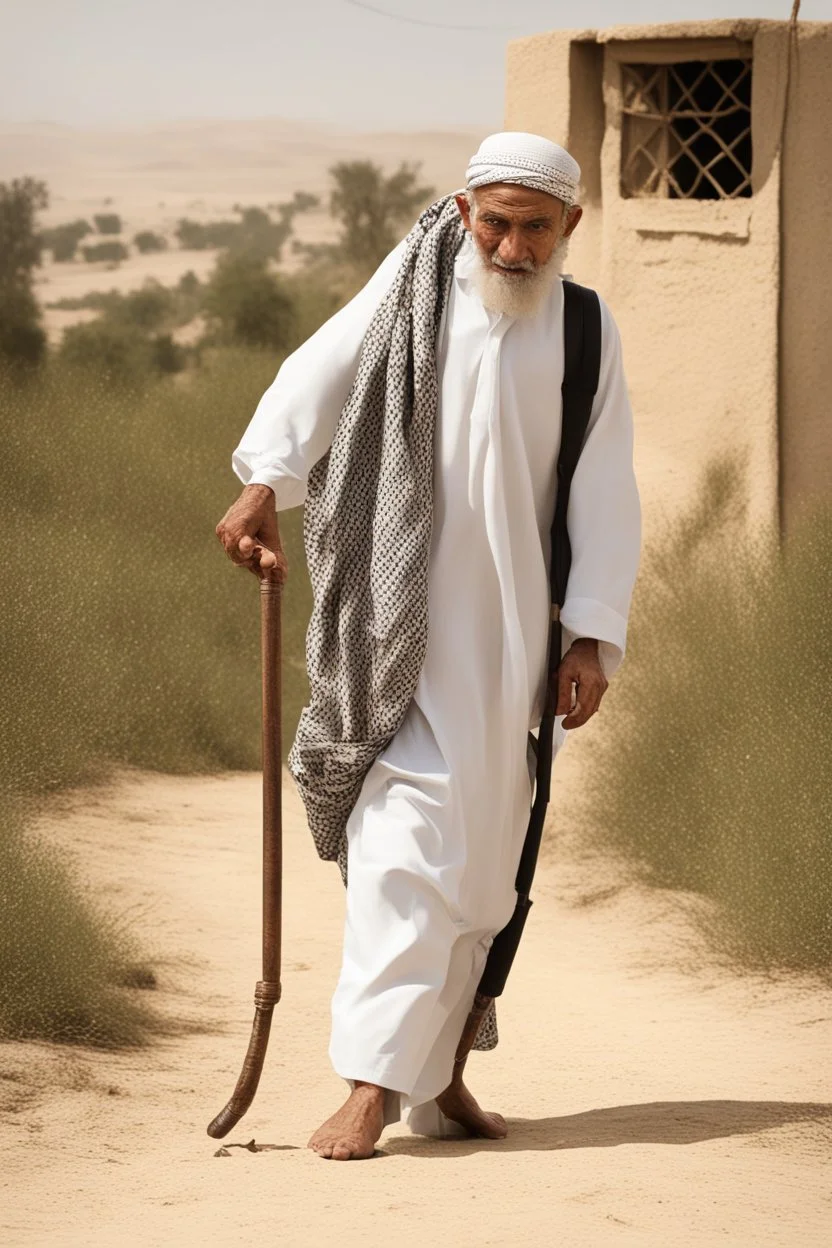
{"points": [[648, 1105]]}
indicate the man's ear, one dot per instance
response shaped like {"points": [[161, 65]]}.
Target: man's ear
{"points": [[464, 209], [573, 216]]}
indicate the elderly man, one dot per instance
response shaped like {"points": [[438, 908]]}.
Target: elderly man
{"points": [[421, 427]]}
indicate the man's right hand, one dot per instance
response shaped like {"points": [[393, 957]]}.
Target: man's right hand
{"points": [[249, 533]]}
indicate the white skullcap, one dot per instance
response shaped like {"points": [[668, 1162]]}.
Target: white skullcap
{"points": [[528, 160]]}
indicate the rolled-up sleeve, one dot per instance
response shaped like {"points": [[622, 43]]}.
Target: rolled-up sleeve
{"points": [[604, 515], [294, 423]]}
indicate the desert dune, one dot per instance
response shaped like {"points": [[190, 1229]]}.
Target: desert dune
{"points": [[154, 175]]}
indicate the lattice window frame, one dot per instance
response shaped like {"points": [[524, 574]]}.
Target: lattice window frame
{"points": [[651, 146]]}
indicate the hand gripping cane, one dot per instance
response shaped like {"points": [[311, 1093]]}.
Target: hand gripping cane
{"points": [[267, 991]]}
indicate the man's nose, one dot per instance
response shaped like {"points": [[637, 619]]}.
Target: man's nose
{"points": [[513, 248]]}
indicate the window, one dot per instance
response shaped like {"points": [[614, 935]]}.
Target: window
{"points": [[686, 131]]}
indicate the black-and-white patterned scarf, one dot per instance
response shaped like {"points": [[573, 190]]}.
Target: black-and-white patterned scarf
{"points": [[367, 531]]}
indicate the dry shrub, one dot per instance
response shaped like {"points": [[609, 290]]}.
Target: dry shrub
{"points": [[129, 637], [712, 775], [113, 252], [69, 971]]}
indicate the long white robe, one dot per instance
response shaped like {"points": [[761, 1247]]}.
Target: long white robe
{"points": [[435, 837]]}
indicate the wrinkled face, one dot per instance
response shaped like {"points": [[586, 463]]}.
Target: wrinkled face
{"points": [[516, 229]]}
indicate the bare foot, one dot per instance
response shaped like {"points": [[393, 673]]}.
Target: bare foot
{"points": [[352, 1132], [457, 1103]]}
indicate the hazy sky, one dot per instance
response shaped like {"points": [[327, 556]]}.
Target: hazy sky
{"points": [[99, 62]]}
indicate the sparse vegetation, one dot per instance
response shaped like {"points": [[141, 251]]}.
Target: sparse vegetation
{"points": [[202, 236], [69, 970], [118, 354], [107, 222], [131, 340], [247, 305], [112, 252], [134, 640], [146, 242], [63, 240], [258, 233], [712, 775], [142, 647], [151, 306], [129, 639]]}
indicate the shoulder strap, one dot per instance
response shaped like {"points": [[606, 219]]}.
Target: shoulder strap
{"points": [[582, 367], [581, 371]]}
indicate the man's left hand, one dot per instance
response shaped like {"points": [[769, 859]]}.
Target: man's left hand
{"points": [[581, 668]]}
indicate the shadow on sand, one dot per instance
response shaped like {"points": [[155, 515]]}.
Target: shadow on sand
{"points": [[657, 1122]]}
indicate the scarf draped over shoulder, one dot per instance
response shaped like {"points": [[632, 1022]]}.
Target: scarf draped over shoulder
{"points": [[367, 532]]}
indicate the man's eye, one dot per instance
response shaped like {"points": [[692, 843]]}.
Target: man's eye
{"points": [[493, 221]]}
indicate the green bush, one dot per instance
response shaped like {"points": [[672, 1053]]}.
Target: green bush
{"points": [[129, 342], [146, 242], [712, 774], [150, 307], [114, 252], [63, 240], [189, 284], [109, 349], [189, 293], [245, 304], [256, 233], [196, 236], [97, 300], [69, 970], [107, 222], [167, 355]]}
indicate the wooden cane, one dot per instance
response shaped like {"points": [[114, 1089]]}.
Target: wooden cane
{"points": [[267, 991]]}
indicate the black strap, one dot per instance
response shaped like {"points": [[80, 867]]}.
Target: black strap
{"points": [[582, 367]]}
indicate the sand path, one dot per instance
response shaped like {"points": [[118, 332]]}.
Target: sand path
{"points": [[647, 1106]]}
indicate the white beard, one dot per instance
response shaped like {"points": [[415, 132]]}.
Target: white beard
{"points": [[518, 296]]}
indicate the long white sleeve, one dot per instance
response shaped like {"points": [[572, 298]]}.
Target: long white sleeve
{"points": [[295, 420], [604, 515]]}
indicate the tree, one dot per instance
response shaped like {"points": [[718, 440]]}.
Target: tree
{"points": [[114, 252], [373, 210], [107, 222], [199, 236], [168, 356], [147, 308], [256, 233], [246, 304], [146, 241], [63, 240], [111, 349], [21, 335], [118, 352]]}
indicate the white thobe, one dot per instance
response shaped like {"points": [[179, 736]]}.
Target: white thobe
{"points": [[436, 834]]}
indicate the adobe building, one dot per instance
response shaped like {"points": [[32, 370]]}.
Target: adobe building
{"points": [[706, 163]]}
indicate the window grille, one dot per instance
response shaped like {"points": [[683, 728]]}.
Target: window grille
{"points": [[686, 130]]}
